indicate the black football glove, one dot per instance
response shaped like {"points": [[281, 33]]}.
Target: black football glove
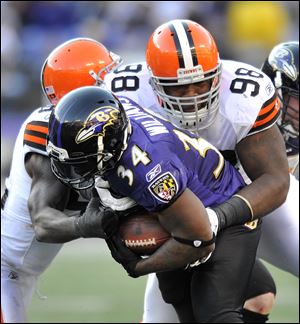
{"points": [[123, 255], [96, 221]]}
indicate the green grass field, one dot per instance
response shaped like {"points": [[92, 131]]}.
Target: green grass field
{"points": [[84, 285]]}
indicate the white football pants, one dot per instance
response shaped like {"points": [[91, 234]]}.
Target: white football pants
{"points": [[23, 259], [279, 242]]}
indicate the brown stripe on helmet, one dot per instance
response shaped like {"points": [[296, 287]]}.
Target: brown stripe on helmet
{"points": [[177, 45], [191, 43]]}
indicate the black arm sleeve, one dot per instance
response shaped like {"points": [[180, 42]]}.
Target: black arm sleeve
{"points": [[234, 211]]}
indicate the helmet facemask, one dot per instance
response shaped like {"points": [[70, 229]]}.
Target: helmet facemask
{"points": [[179, 53], [205, 105], [76, 172], [289, 113], [79, 172], [99, 77]]}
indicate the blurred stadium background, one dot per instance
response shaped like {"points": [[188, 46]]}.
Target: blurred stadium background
{"points": [[84, 284]]}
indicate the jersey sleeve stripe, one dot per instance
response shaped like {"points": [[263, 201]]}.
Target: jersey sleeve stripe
{"points": [[267, 108], [35, 145], [265, 124], [269, 113], [35, 133], [41, 129], [34, 139], [269, 117], [38, 123]]}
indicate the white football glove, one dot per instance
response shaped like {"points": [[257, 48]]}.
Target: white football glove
{"points": [[118, 204]]}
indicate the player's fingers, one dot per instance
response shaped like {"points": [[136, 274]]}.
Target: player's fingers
{"points": [[113, 249]]}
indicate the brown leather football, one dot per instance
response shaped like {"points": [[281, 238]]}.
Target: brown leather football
{"points": [[143, 233]]}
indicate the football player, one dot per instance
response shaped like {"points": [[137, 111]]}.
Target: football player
{"points": [[54, 88], [282, 66], [234, 106], [169, 170], [37, 209], [280, 230]]}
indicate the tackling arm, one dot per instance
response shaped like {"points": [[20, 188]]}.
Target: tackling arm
{"points": [[47, 200], [264, 160]]}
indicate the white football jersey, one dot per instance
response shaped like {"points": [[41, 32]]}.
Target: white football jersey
{"points": [[132, 81], [248, 102], [31, 138]]}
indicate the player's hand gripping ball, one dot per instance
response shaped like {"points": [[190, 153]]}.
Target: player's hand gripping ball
{"points": [[143, 233]]}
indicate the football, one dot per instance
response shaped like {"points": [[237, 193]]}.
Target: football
{"points": [[143, 233]]}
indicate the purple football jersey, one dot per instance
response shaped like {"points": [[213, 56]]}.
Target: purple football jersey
{"points": [[161, 161]]}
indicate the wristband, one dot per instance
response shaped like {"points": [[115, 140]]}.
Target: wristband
{"points": [[248, 204], [195, 243], [235, 211]]}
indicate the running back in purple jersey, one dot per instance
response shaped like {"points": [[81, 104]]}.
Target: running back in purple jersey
{"points": [[161, 161]]}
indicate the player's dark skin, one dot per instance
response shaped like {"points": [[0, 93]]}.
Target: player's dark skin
{"points": [[262, 156], [48, 198], [185, 218]]}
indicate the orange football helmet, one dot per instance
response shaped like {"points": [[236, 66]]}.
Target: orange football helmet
{"points": [[76, 63], [182, 52]]}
